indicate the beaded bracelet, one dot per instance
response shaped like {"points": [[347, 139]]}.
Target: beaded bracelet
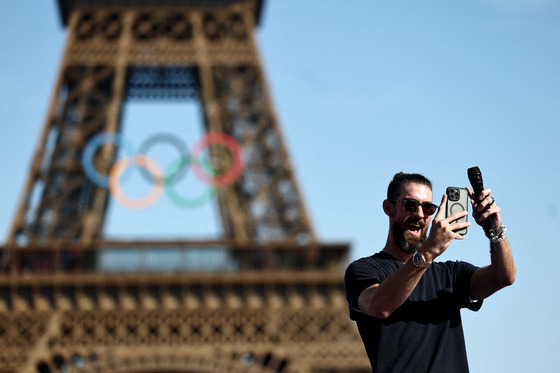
{"points": [[491, 233], [499, 235], [498, 231]]}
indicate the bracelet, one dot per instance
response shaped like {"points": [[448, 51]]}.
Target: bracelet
{"points": [[499, 235], [494, 232], [498, 232]]}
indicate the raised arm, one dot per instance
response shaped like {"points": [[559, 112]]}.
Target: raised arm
{"points": [[501, 272]]}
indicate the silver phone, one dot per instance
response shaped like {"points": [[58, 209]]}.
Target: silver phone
{"points": [[457, 200]]}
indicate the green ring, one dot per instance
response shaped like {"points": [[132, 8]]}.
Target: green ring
{"points": [[188, 203]]}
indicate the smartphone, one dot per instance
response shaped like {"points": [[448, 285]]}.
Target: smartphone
{"points": [[457, 200]]}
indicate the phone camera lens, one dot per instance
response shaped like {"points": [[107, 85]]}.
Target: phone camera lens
{"points": [[454, 194]]}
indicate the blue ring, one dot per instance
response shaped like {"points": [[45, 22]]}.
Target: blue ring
{"points": [[89, 152]]}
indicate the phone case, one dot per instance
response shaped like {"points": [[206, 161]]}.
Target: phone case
{"points": [[457, 200]]}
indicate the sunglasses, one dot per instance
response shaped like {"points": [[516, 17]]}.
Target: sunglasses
{"points": [[411, 205]]}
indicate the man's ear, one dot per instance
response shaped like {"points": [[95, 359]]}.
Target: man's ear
{"points": [[388, 207]]}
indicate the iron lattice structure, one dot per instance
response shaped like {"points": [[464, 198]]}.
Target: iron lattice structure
{"points": [[272, 302]]}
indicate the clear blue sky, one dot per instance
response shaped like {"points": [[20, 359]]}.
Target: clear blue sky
{"points": [[364, 89]]}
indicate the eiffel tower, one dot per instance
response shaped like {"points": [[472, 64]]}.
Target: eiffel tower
{"points": [[264, 296]]}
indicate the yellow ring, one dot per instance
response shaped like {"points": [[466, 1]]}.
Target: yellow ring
{"points": [[136, 203]]}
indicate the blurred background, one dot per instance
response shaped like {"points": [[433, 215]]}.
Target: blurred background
{"points": [[363, 90]]}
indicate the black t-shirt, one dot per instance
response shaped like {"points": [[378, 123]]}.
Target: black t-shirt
{"points": [[425, 333]]}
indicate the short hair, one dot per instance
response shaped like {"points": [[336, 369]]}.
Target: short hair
{"points": [[400, 179]]}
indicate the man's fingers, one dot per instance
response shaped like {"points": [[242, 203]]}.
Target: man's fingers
{"points": [[461, 225], [441, 208], [457, 215], [485, 193], [459, 237]]}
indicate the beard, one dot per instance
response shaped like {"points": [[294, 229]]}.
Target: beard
{"points": [[407, 242]]}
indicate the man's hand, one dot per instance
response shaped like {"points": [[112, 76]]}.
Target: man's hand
{"points": [[485, 207], [442, 232]]}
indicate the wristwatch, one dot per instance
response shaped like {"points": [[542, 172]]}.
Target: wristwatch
{"points": [[419, 261]]}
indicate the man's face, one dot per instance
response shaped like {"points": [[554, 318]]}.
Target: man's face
{"points": [[410, 228]]}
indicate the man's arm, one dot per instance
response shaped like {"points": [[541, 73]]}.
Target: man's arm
{"points": [[380, 300], [501, 272]]}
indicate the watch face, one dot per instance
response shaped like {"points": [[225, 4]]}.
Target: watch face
{"points": [[416, 258]]}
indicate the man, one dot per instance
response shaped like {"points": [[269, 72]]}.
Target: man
{"points": [[406, 305]]}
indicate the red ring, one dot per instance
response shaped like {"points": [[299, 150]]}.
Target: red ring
{"points": [[235, 149]]}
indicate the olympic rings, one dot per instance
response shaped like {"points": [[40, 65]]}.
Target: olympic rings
{"points": [[151, 170], [235, 149]]}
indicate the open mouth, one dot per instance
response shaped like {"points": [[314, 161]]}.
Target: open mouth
{"points": [[414, 229]]}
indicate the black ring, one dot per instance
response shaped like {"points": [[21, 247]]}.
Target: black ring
{"points": [[177, 143]]}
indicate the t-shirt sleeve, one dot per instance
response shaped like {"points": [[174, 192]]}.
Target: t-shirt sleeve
{"points": [[358, 277], [463, 272]]}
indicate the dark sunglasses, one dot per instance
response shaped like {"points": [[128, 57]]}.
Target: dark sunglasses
{"points": [[411, 205]]}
